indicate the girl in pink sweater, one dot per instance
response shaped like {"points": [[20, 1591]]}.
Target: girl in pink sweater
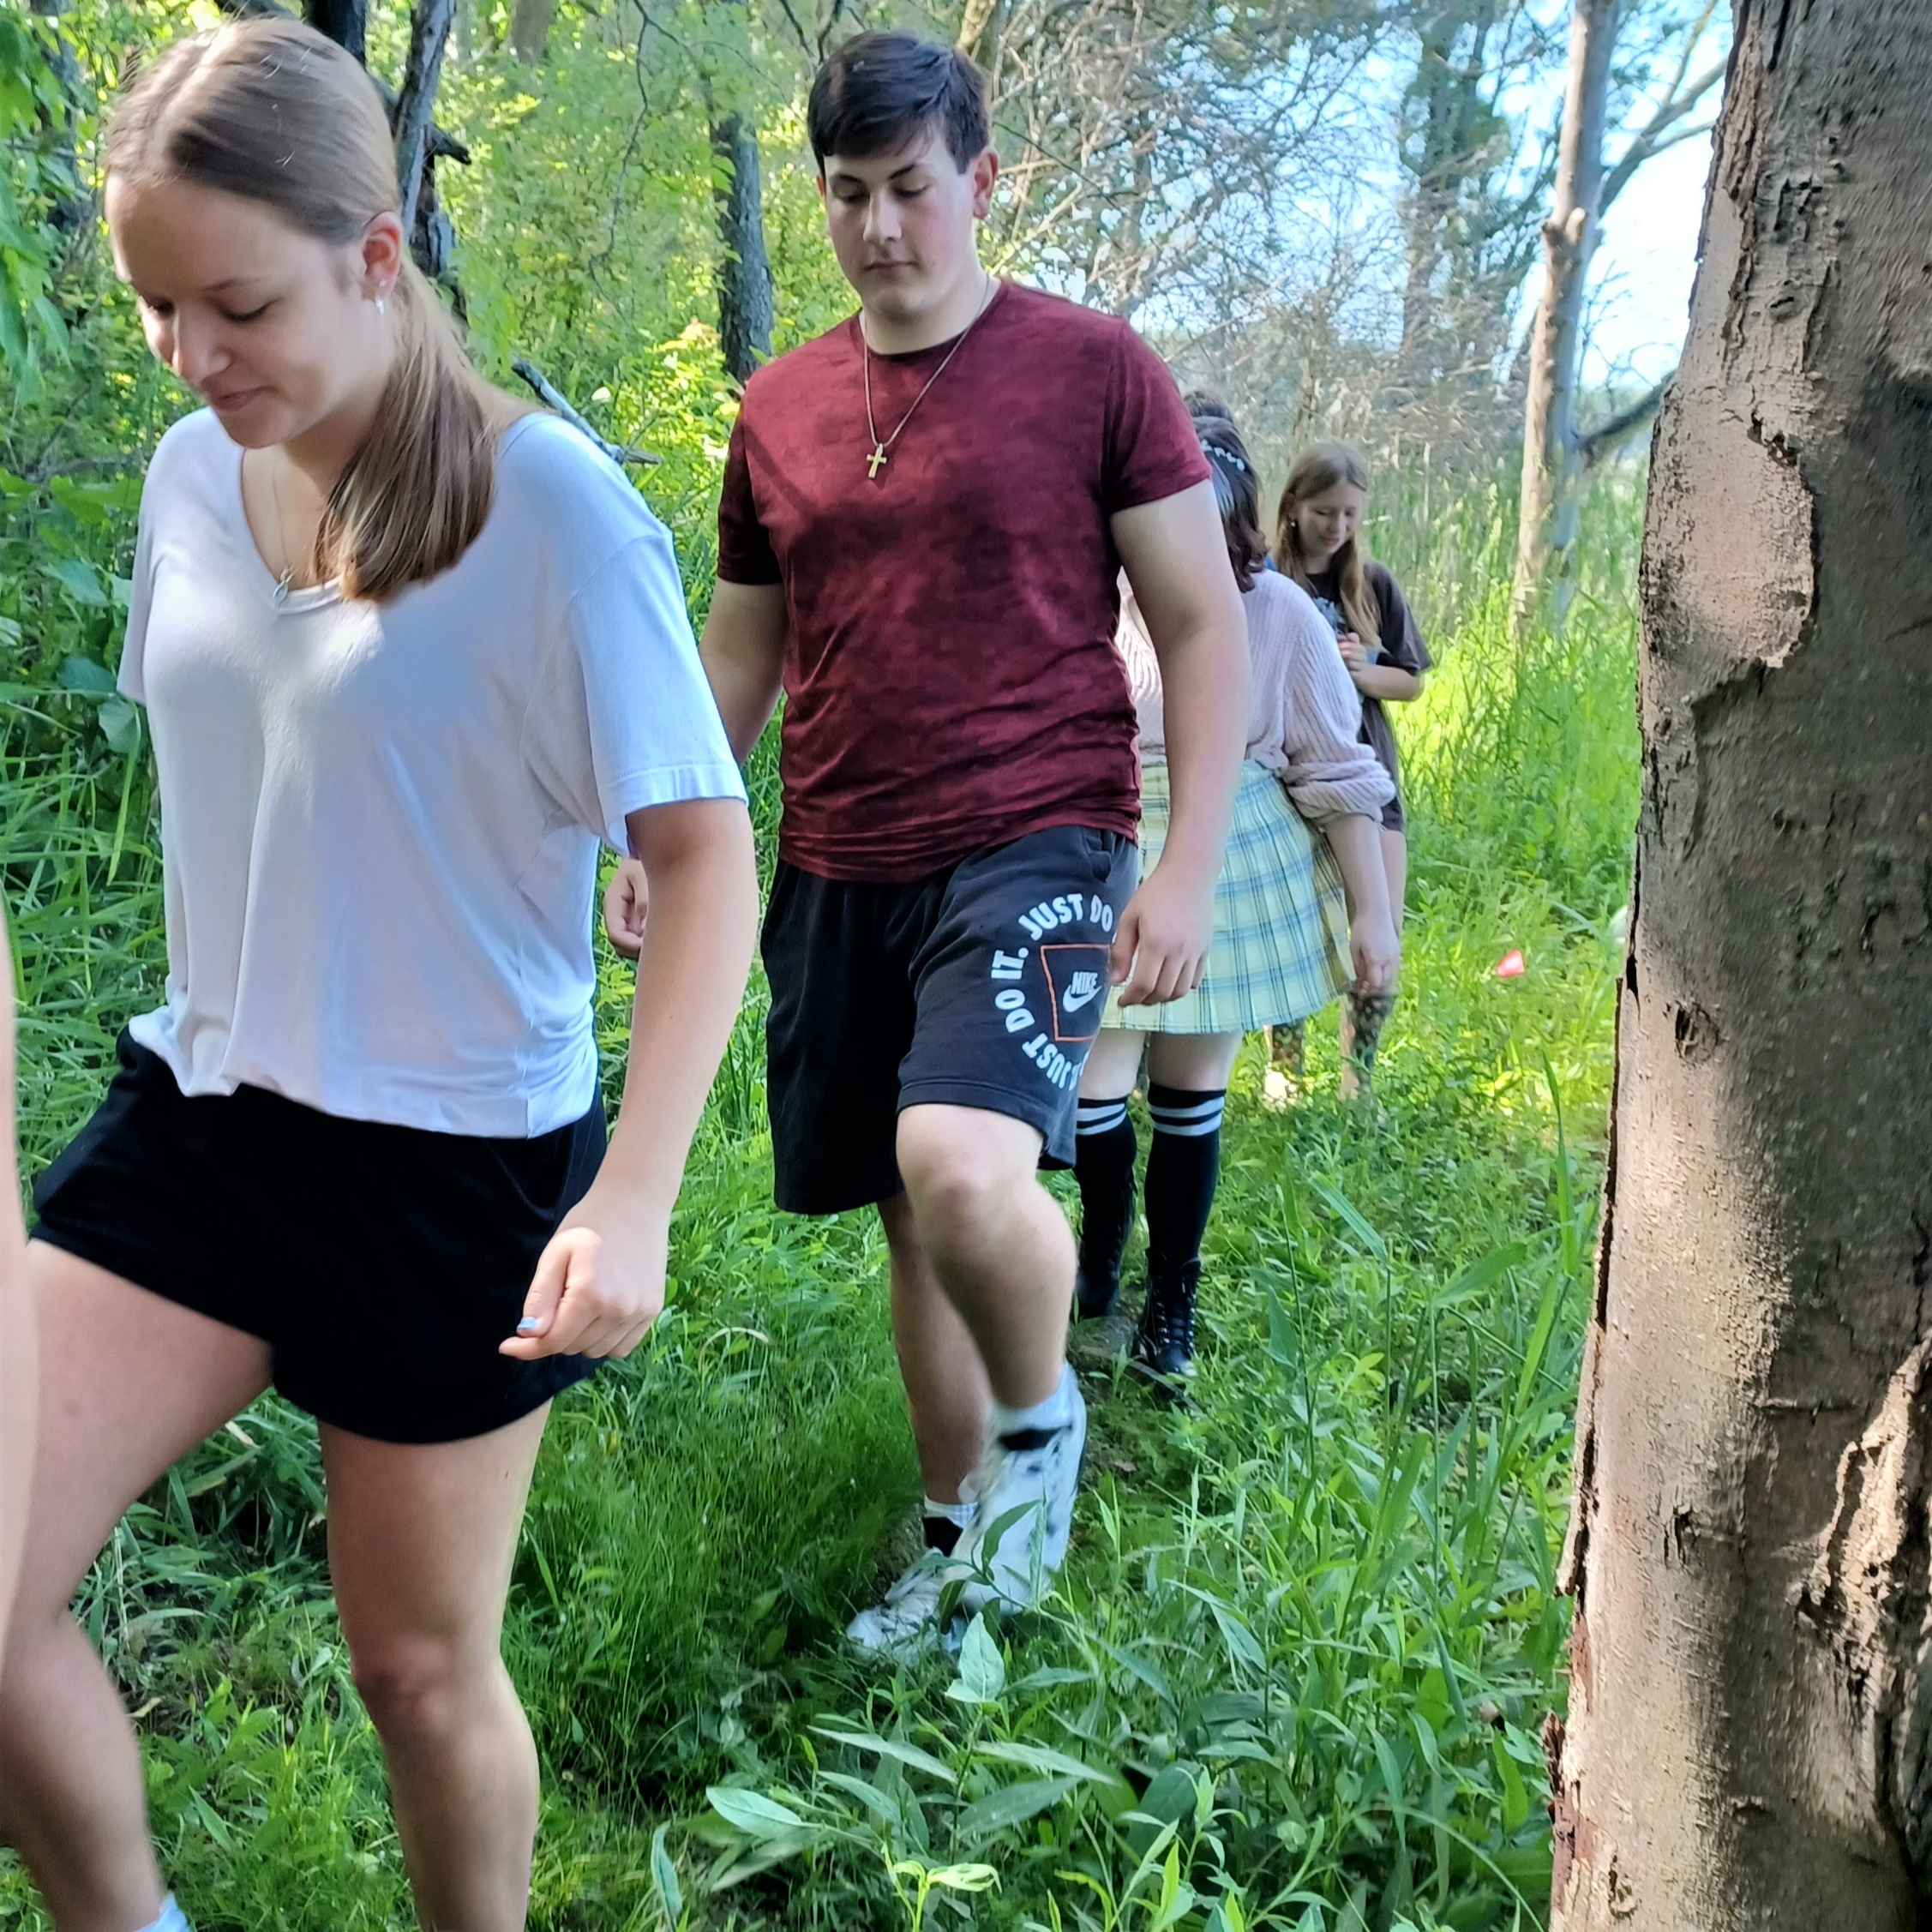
{"points": [[1304, 827]]}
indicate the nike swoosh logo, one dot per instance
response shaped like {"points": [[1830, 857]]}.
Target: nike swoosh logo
{"points": [[1072, 1002]]}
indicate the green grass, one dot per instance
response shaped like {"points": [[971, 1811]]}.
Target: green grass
{"points": [[1307, 1638]]}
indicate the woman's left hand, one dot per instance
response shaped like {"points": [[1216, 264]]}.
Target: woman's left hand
{"points": [[1376, 951], [627, 903], [1354, 653], [599, 1284]]}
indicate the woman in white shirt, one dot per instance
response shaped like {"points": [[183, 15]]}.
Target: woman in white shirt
{"points": [[409, 653], [1303, 825]]}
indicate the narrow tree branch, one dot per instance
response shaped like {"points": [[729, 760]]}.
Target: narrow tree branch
{"points": [[1594, 444], [554, 398], [1649, 139]]}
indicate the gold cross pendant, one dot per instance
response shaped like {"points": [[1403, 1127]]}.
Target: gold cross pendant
{"points": [[876, 461]]}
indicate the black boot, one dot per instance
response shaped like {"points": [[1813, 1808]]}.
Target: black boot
{"points": [[1164, 1340], [1104, 1167], [1096, 1277]]}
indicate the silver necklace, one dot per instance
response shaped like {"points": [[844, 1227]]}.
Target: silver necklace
{"points": [[287, 577], [880, 448]]}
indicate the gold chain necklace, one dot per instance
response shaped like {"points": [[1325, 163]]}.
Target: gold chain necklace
{"points": [[877, 460]]}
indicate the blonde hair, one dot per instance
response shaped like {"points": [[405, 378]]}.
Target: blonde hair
{"points": [[273, 112], [1314, 471]]}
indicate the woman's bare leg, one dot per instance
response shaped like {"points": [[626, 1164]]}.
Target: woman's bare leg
{"points": [[422, 1538], [1364, 1015], [18, 1357], [130, 1382]]}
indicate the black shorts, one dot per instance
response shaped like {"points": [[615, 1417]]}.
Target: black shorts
{"points": [[382, 1265], [982, 986]]}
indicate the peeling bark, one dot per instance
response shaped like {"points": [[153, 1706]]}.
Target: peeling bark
{"points": [[1747, 1740]]}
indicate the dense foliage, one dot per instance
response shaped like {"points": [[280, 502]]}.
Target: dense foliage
{"points": [[1307, 1637]]}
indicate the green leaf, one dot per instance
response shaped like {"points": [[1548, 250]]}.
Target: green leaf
{"points": [[982, 1670], [911, 1755], [1347, 1208], [79, 579], [84, 676], [1045, 1760], [1011, 1804], [121, 722], [751, 1812], [1051, 1676], [965, 1878], [1171, 1797], [1539, 1342], [663, 1876], [1515, 1796], [874, 1800]]}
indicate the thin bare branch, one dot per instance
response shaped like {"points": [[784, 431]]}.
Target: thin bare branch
{"points": [[556, 399]]}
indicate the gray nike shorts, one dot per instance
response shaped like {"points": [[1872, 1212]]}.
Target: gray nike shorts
{"points": [[981, 986]]}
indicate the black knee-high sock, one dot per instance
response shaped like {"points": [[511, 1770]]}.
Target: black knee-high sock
{"points": [[1103, 1163], [1181, 1168]]}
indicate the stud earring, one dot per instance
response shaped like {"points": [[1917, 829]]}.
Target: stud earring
{"points": [[382, 305]]}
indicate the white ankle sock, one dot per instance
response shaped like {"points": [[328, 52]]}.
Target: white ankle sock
{"points": [[960, 1512], [1055, 1412], [172, 1918]]}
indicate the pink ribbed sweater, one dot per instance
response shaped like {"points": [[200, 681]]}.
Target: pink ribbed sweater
{"points": [[1304, 713]]}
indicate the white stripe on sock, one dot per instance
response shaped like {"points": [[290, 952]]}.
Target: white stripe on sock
{"points": [[1100, 1121]]}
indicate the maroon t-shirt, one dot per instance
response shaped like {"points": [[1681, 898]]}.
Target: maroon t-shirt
{"points": [[950, 679]]}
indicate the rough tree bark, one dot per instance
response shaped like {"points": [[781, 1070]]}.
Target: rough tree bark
{"points": [[1569, 239], [430, 21], [744, 271], [1750, 1717], [344, 22]]}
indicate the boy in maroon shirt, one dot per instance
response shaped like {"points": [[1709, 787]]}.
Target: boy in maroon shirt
{"points": [[924, 516]]}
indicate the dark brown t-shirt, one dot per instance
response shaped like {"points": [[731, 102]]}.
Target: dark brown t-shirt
{"points": [[950, 679], [1400, 644]]}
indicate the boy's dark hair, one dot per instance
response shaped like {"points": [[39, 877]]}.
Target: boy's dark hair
{"points": [[881, 91]]}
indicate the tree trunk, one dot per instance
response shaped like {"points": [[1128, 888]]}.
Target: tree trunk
{"points": [[428, 34], [530, 29], [979, 25], [1546, 516], [744, 272], [344, 22], [1751, 1715]]}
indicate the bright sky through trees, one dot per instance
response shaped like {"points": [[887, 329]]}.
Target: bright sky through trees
{"points": [[1644, 267]]}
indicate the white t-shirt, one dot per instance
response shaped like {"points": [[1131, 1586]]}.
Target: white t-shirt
{"points": [[380, 821]]}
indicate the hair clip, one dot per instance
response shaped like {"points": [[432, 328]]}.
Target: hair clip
{"points": [[1226, 456]]}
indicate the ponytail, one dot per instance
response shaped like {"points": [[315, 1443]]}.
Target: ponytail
{"points": [[271, 110], [414, 496]]}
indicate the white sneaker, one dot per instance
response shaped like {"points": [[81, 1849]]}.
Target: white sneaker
{"points": [[1026, 1486], [906, 1624]]}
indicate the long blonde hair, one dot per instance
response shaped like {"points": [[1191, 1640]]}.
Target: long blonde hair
{"points": [[275, 112], [1314, 471]]}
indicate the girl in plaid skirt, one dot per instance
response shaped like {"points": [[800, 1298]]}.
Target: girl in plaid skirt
{"points": [[1302, 847]]}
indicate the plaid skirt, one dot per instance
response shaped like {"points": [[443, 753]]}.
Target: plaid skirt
{"points": [[1281, 944]]}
